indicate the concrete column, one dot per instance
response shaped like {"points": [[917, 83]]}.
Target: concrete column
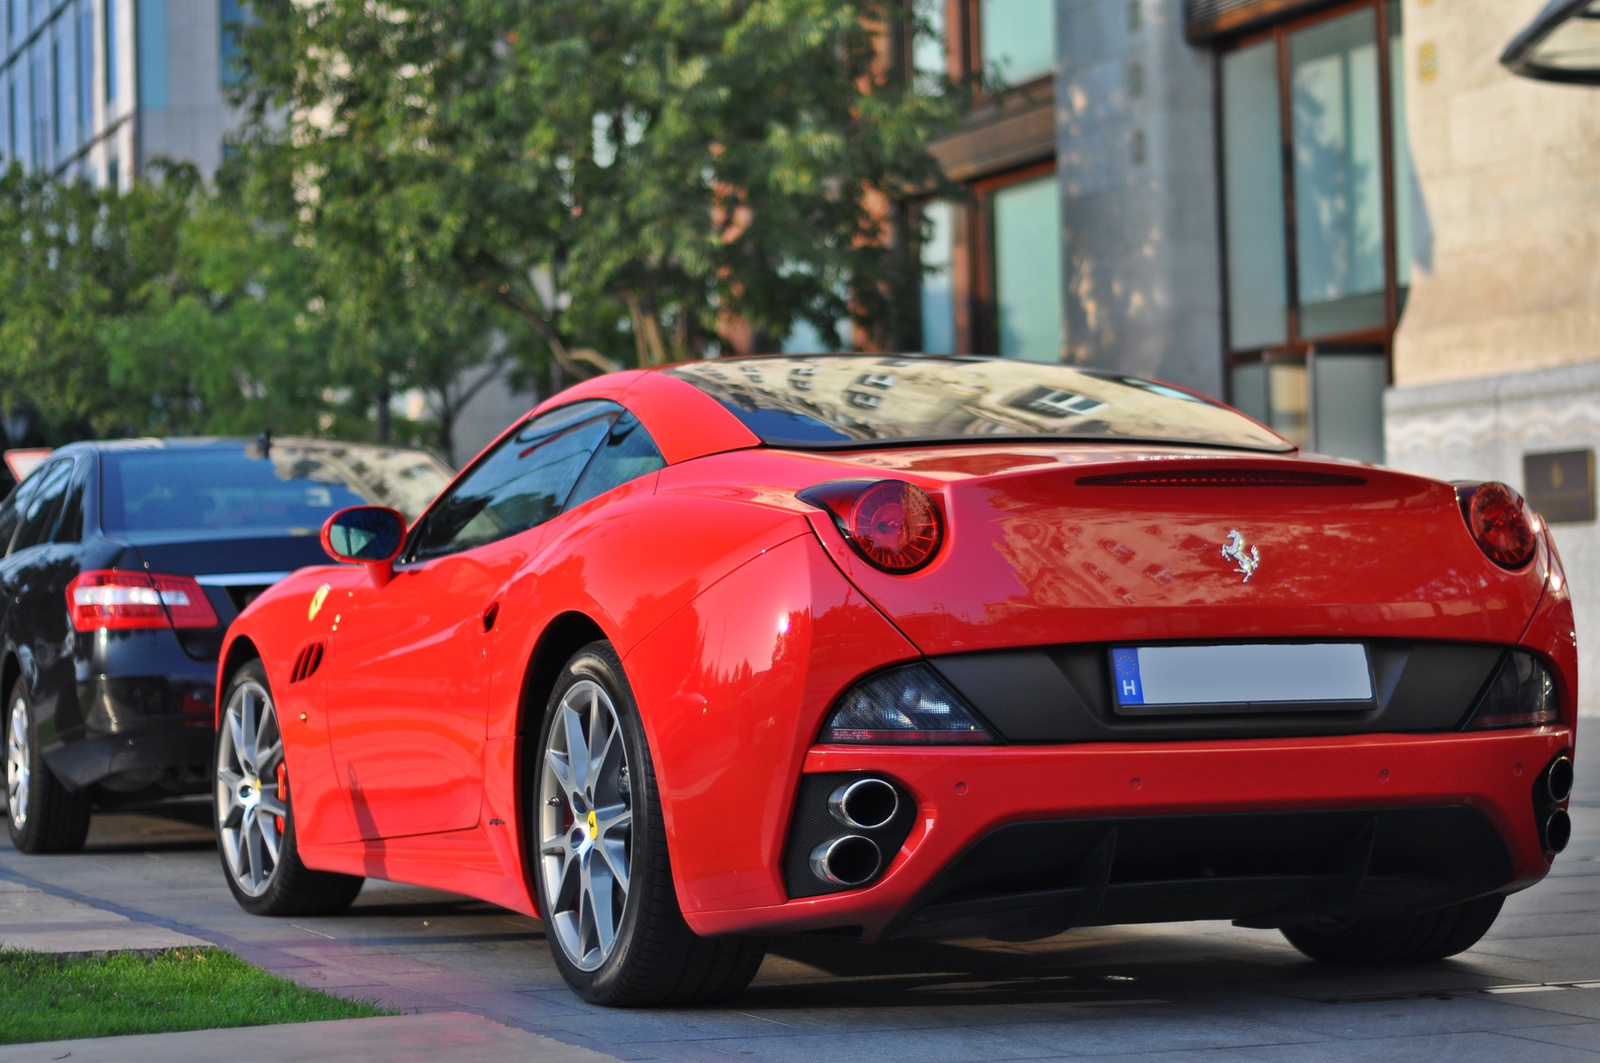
{"points": [[1135, 127]]}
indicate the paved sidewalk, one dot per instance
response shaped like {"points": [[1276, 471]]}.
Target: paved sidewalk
{"points": [[42, 922], [453, 1036]]}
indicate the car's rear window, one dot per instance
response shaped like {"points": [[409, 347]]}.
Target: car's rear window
{"points": [[831, 401], [227, 490]]}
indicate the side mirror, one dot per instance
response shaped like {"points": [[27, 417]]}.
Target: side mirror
{"points": [[366, 535]]}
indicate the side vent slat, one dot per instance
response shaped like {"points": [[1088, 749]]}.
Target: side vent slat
{"points": [[307, 661], [1222, 478]]}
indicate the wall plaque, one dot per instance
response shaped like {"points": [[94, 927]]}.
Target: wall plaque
{"points": [[1560, 486]]}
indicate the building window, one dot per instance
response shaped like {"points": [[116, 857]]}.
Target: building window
{"points": [[1316, 185], [1027, 270], [1017, 38], [110, 44], [938, 293], [929, 59], [60, 86], [232, 19], [150, 32], [85, 69]]}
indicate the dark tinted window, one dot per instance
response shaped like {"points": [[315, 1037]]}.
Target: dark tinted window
{"points": [[38, 515], [69, 529], [8, 517], [522, 483], [172, 492], [824, 401], [627, 453]]}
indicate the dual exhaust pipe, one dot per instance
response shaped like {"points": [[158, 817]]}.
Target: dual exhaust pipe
{"points": [[854, 859], [1556, 828]]}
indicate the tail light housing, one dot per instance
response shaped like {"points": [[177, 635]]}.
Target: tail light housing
{"points": [[893, 525], [1521, 694], [1499, 521], [905, 706], [122, 600]]}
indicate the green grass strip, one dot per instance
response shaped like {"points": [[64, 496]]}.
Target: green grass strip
{"points": [[50, 998]]}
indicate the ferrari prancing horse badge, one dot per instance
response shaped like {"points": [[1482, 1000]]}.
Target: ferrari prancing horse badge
{"points": [[316, 601]]}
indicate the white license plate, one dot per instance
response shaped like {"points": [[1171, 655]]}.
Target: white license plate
{"points": [[1147, 678]]}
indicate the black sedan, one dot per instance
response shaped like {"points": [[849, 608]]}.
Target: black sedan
{"points": [[124, 562]]}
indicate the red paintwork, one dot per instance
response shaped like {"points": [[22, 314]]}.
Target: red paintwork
{"points": [[741, 614]]}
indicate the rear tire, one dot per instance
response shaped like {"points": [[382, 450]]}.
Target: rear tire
{"points": [[261, 861], [1419, 938], [598, 842], [42, 815]]}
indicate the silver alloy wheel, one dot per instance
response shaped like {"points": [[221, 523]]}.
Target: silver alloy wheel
{"points": [[585, 825], [19, 767], [248, 807]]}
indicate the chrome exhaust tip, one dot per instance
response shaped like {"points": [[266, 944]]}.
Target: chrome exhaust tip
{"points": [[1557, 831], [1558, 779], [864, 804], [848, 861]]}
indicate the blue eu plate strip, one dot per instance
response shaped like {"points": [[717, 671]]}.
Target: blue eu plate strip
{"points": [[1125, 663]]}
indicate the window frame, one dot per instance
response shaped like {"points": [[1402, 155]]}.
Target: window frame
{"points": [[1296, 348]]}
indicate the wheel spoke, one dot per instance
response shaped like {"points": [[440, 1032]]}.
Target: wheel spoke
{"points": [[268, 829], [615, 854], [605, 923], [271, 806], [561, 768], [577, 747], [267, 759]]}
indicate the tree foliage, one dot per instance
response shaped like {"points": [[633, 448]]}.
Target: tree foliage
{"points": [[626, 178]]}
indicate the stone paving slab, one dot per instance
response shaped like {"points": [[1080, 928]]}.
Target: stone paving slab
{"points": [[42, 922], [453, 1036]]}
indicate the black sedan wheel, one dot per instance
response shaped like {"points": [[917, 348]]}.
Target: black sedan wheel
{"points": [[255, 819], [43, 816], [600, 849]]}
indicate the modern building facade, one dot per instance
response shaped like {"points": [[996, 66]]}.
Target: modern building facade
{"points": [[1345, 217], [95, 89]]}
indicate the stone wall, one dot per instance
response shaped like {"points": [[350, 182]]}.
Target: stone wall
{"points": [[1479, 429], [1506, 267]]}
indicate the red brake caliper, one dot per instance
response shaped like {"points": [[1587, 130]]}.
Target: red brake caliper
{"points": [[283, 791]]}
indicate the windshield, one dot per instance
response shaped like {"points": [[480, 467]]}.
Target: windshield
{"points": [[829, 401], [165, 492]]}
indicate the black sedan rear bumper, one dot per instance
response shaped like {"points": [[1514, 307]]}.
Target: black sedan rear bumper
{"points": [[141, 731]]}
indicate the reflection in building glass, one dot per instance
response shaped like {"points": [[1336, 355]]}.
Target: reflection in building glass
{"points": [[1017, 37], [1027, 269], [1253, 198], [1338, 175]]}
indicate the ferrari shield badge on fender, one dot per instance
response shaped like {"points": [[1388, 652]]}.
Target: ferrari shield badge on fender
{"points": [[316, 601], [1248, 560]]}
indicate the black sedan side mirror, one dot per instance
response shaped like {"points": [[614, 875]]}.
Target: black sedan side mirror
{"points": [[366, 535]]}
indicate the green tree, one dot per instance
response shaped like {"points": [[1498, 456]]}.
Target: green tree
{"points": [[621, 177]]}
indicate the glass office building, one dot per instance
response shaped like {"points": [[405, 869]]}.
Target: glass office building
{"points": [[94, 89]]}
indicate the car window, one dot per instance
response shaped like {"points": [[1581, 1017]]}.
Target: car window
{"points": [[69, 529], [37, 516], [627, 453], [520, 484], [8, 511]]}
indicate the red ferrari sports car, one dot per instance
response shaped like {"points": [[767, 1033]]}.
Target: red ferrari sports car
{"points": [[908, 646]]}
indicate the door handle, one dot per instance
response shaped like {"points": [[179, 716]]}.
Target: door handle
{"points": [[490, 615]]}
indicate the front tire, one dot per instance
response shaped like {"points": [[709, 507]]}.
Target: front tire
{"points": [[599, 854], [42, 815], [1413, 938], [254, 815]]}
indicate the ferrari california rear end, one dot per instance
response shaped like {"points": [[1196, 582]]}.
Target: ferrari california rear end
{"points": [[914, 647]]}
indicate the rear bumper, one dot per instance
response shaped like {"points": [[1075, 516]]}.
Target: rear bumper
{"points": [[143, 729], [1368, 798]]}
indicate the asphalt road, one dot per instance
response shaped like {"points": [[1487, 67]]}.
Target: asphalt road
{"points": [[1201, 991]]}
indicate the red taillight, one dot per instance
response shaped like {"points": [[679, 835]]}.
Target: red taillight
{"points": [[891, 523], [1500, 522], [124, 600]]}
